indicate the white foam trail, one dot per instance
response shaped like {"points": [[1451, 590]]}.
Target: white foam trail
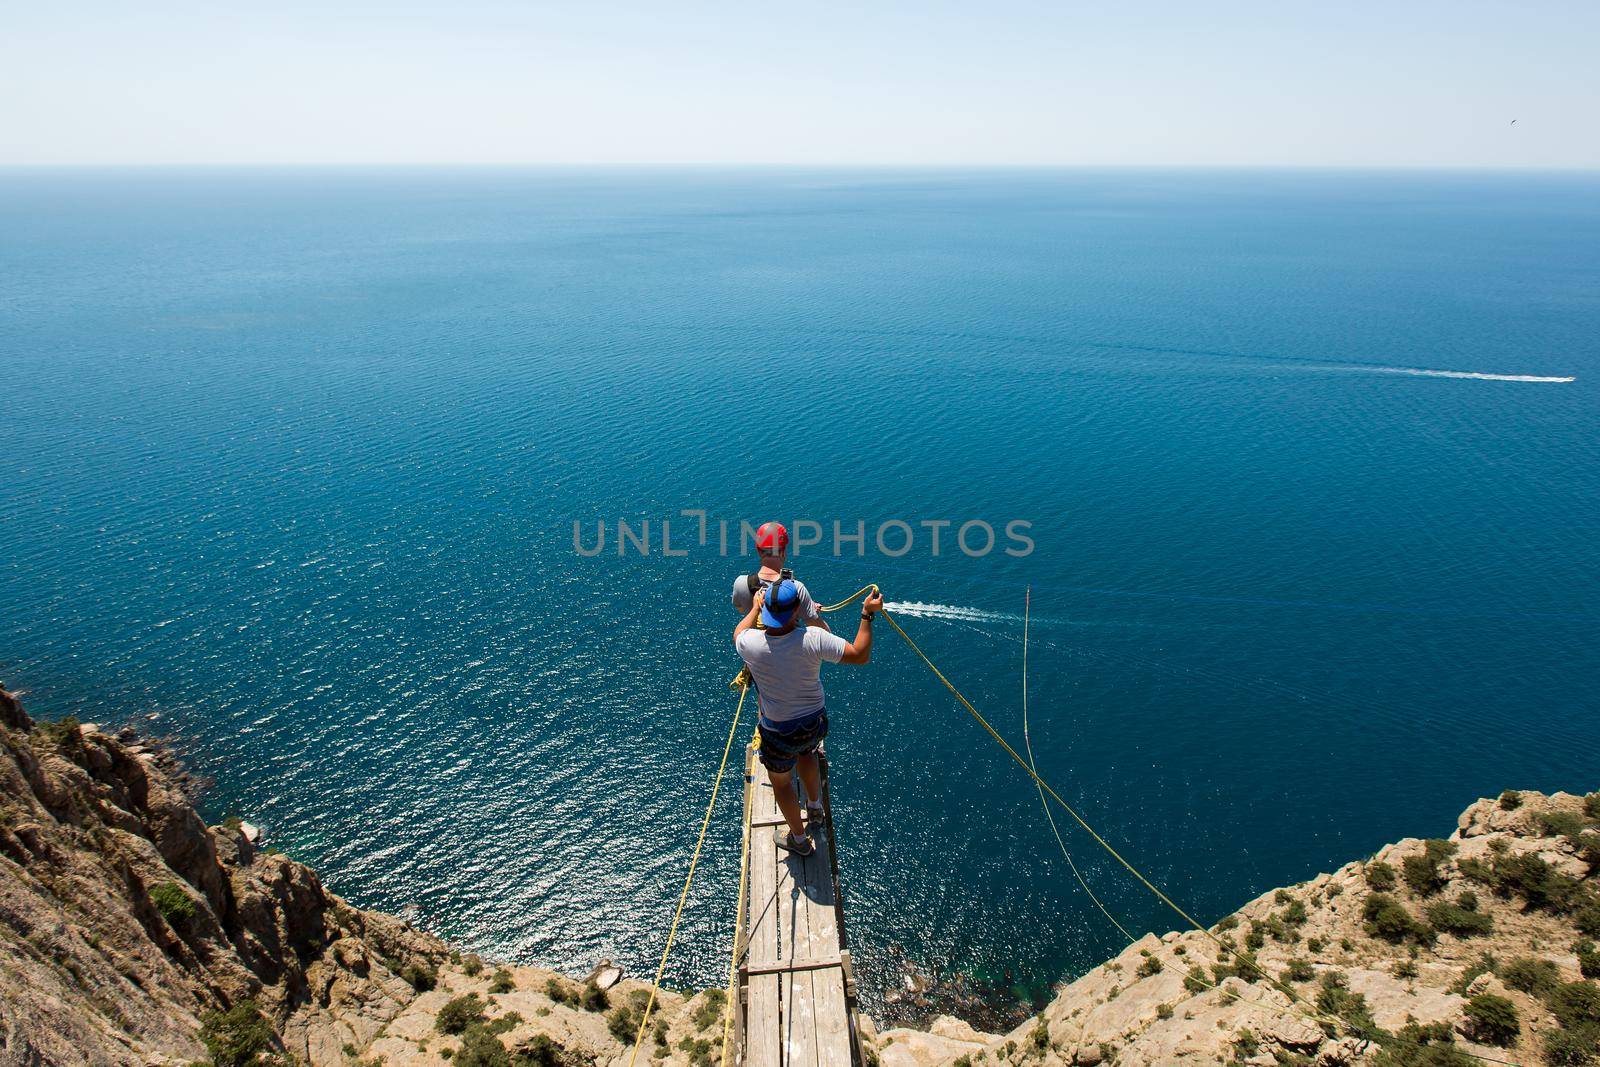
{"points": [[918, 610], [1425, 372]]}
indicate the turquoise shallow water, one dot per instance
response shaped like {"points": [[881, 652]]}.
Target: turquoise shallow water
{"points": [[292, 458]]}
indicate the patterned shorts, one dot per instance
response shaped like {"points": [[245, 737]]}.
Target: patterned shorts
{"points": [[783, 743]]}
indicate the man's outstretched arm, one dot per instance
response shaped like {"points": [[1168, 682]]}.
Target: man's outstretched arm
{"points": [[860, 650]]}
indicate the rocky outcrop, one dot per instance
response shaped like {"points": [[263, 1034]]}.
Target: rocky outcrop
{"points": [[131, 932], [1474, 949], [125, 921]]}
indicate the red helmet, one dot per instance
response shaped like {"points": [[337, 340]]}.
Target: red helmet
{"points": [[772, 539]]}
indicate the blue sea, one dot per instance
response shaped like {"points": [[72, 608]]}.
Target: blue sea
{"points": [[292, 461]]}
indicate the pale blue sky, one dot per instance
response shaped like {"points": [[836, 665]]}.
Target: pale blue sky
{"points": [[1426, 83]]}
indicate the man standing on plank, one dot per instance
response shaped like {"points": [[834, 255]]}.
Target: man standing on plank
{"points": [[785, 659]]}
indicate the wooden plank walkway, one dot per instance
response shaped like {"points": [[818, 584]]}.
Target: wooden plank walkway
{"points": [[796, 991]]}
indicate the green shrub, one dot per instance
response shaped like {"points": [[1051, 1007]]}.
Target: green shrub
{"points": [[1227, 923], [505, 1024], [1531, 878], [1195, 981], [1588, 958], [1529, 975], [623, 1021], [502, 982], [1511, 800], [1237, 965], [1493, 1020], [420, 976], [1404, 969], [1561, 823], [480, 1048], [592, 998], [623, 1024], [1316, 944], [1388, 920], [1380, 876], [1295, 913], [1335, 998], [1588, 846], [472, 966], [1299, 970], [175, 906], [1245, 1044], [458, 1014], [1575, 1004], [66, 733], [1591, 806], [1255, 938], [561, 992], [1572, 1048], [710, 1009], [1587, 918], [1422, 871], [1039, 1037], [1462, 922], [237, 1037], [699, 1051], [1418, 1045], [539, 1051], [1163, 1011]]}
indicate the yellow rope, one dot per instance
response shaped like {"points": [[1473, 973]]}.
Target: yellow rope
{"points": [[1027, 606], [851, 599], [1045, 787], [694, 860], [738, 924]]}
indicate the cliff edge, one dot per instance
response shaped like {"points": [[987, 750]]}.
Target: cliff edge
{"points": [[133, 933]]}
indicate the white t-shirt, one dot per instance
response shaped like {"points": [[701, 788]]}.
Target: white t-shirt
{"points": [[788, 668]]}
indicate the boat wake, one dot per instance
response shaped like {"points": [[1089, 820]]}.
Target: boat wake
{"points": [[1426, 372], [916, 609]]}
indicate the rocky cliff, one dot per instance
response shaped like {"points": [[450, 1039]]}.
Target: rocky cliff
{"points": [[1479, 948], [132, 933]]}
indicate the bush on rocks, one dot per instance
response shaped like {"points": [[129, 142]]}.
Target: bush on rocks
{"points": [[1388, 920], [458, 1014], [1458, 920], [1527, 974], [1422, 871], [236, 1037], [1380, 876], [1588, 958], [1493, 1020], [175, 906]]}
